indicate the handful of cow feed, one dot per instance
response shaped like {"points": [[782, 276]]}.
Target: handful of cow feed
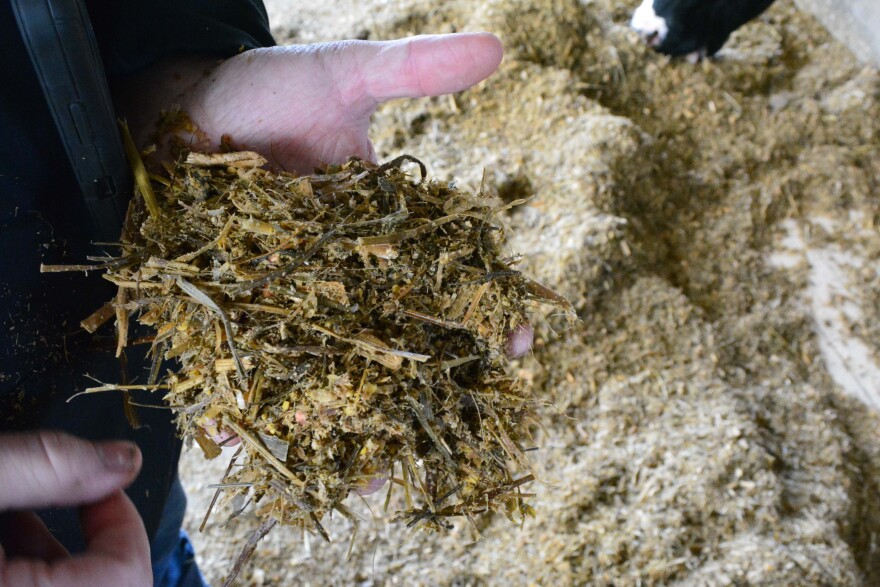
{"points": [[349, 327]]}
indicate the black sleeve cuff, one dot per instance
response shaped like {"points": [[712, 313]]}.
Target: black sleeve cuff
{"points": [[136, 33]]}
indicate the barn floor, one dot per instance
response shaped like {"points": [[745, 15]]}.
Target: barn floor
{"points": [[715, 417]]}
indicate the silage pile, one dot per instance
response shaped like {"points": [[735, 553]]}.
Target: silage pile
{"points": [[693, 434]]}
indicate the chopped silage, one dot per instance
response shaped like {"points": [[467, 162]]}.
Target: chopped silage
{"points": [[350, 327], [693, 434]]}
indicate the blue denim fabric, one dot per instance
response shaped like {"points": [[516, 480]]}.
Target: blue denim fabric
{"points": [[173, 557]]}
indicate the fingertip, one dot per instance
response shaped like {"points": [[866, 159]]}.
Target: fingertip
{"points": [[114, 512], [221, 435], [520, 341], [371, 486], [430, 65], [454, 62], [112, 527], [488, 45]]}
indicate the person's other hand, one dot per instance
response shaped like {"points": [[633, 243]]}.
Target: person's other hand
{"points": [[305, 105], [52, 469]]}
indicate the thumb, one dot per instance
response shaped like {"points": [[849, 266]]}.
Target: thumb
{"points": [[46, 469], [430, 65]]}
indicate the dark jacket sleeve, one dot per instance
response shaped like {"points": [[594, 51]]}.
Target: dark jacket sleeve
{"points": [[133, 34]]}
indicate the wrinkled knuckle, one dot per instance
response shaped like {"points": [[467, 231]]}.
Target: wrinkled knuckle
{"points": [[48, 443], [53, 443], [412, 67], [55, 448]]}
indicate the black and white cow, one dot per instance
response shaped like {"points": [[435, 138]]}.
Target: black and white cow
{"points": [[696, 28]]}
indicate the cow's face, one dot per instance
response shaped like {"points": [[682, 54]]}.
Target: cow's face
{"points": [[652, 27], [686, 27], [672, 26]]}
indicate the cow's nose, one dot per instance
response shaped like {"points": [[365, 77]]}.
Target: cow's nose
{"points": [[651, 28]]}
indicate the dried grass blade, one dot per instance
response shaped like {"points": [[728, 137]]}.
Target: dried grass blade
{"points": [[217, 493], [141, 177], [290, 268], [121, 321], [111, 387], [224, 232], [545, 294], [98, 318], [404, 235], [258, 446], [248, 550], [433, 320], [204, 299], [239, 159], [371, 346], [438, 442]]}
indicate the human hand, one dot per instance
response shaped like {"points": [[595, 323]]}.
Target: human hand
{"points": [[53, 469], [305, 105]]}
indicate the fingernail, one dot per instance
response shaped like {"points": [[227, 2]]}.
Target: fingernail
{"points": [[118, 457]]}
